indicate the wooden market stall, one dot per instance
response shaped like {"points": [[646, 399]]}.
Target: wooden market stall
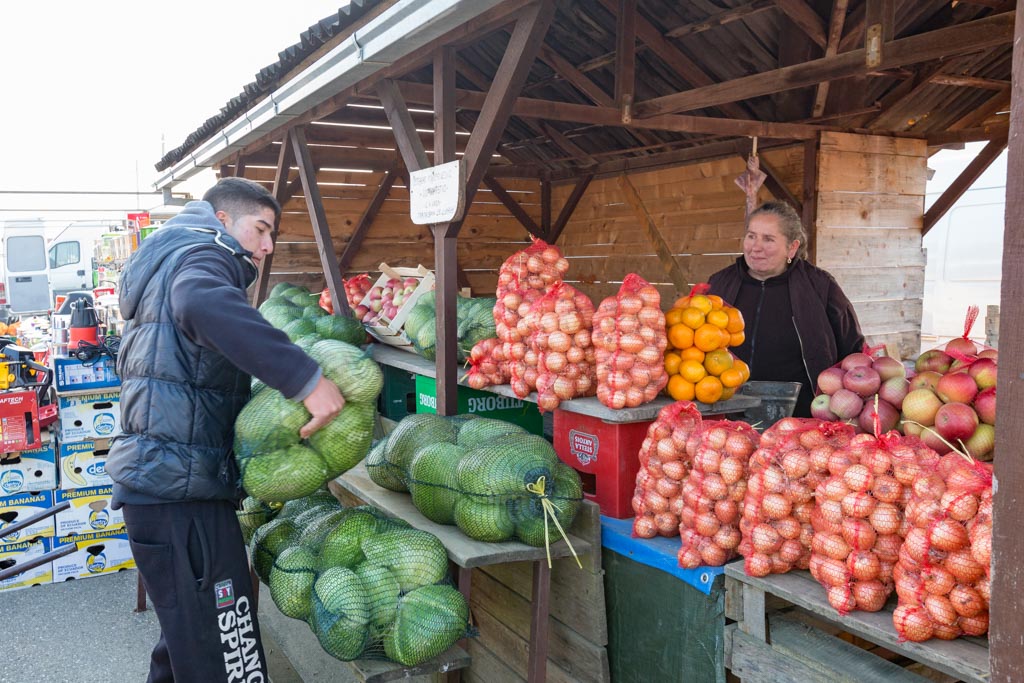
{"points": [[616, 129]]}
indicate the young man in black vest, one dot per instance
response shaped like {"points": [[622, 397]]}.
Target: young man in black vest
{"points": [[191, 344]]}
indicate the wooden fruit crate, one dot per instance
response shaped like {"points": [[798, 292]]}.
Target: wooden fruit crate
{"points": [[786, 631], [389, 330]]}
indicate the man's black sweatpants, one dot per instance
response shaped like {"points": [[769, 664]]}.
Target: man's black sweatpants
{"points": [[195, 569]]}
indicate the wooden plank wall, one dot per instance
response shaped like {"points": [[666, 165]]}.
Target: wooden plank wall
{"points": [[489, 235], [870, 210], [698, 208]]}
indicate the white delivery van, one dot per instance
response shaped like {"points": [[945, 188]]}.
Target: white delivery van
{"points": [[964, 252], [24, 267], [72, 255]]}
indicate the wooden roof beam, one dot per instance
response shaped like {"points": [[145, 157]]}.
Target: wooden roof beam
{"points": [[808, 21], [972, 36], [568, 208], [689, 70], [980, 134], [406, 137], [945, 202], [579, 80], [355, 241], [722, 18], [625, 57], [281, 192], [970, 82], [513, 206], [835, 32]]}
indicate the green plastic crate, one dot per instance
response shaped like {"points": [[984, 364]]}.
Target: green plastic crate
{"points": [[398, 397], [482, 403]]}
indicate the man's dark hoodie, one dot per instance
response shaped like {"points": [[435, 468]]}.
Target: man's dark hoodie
{"points": [[192, 340]]}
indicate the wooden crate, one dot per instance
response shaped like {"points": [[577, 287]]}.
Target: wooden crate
{"points": [[787, 632]]}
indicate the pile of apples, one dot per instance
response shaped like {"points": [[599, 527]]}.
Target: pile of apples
{"points": [[850, 389], [953, 395], [384, 301]]}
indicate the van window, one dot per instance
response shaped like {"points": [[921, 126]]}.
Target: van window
{"points": [[64, 254], [974, 247], [26, 253]]}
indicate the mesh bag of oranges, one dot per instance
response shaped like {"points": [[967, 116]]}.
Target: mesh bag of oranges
{"points": [[560, 345], [657, 499], [629, 338], [524, 277], [701, 328]]}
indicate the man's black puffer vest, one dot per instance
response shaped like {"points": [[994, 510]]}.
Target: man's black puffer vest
{"points": [[179, 401]]}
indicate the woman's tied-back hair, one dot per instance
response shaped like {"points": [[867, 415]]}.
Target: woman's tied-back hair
{"points": [[239, 197], [790, 225]]}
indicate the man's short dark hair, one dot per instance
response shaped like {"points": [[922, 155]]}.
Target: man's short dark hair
{"points": [[239, 197]]}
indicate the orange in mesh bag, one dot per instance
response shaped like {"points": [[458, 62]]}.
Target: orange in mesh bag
{"points": [[630, 341], [560, 345], [858, 515], [713, 492], [523, 278], [657, 499], [942, 576], [790, 463], [487, 364]]}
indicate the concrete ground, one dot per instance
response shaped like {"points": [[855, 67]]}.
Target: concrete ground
{"points": [[88, 630]]}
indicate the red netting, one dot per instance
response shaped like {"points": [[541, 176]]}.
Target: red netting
{"points": [[942, 576], [560, 345], [630, 340], [487, 364], [858, 516], [714, 491], [664, 464], [356, 288], [790, 463], [523, 278]]}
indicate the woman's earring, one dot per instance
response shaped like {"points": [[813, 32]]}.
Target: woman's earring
{"points": [[789, 260]]}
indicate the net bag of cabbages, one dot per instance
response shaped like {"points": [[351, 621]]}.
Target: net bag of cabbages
{"points": [[664, 464], [784, 471]]}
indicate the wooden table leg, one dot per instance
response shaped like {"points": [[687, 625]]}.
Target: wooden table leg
{"points": [[140, 595], [538, 662]]}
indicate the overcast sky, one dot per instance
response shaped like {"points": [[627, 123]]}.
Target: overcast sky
{"points": [[92, 93]]}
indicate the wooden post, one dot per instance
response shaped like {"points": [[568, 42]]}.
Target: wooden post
{"points": [[545, 207], [810, 198], [1007, 611], [317, 216]]}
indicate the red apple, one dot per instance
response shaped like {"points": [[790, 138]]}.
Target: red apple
{"points": [[934, 360], [956, 387], [820, 409], [909, 428], [961, 345], [985, 404], [888, 417], [984, 371], [920, 405], [982, 441], [989, 353], [933, 441], [855, 360], [894, 390], [845, 404], [925, 380], [862, 380], [956, 421], [888, 367], [830, 381]]}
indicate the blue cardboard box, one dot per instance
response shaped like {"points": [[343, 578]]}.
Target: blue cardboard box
{"points": [[71, 374]]}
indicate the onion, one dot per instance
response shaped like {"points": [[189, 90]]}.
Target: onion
{"points": [[776, 506], [667, 523], [731, 469], [981, 546], [727, 511], [912, 623], [788, 527], [961, 564], [976, 625], [859, 534], [715, 488], [960, 506], [713, 555], [689, 558], [870, 595], [791, 551], [948, 534], [966, 601], [937, 580], [859, 505], [766, 539], [656, 502], [727, 537], [885, 518], [667, 487], [841, 598], [940, 609], [644, 527], [863, 564], [796, 464], [758, 564], [858, 478]]}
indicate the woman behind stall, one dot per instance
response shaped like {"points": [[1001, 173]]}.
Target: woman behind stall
{"points": [[798, 321]]}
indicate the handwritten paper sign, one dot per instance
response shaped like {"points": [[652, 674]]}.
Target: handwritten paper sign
{"points": [[438, 194]]}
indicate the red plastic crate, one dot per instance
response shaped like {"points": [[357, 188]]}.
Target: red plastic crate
{"points": [[606, 455]]}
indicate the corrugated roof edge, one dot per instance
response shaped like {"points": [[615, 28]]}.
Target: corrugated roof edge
{"points": [[270, 76]]}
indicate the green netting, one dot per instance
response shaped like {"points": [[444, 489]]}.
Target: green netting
{"points": [[291, 582], [428, 621], [294, 508], [253, 514], [474, 322], [269, 541], [415, 558], [354, 371]]}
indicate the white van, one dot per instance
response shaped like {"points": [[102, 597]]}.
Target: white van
{"points": [[965, 259], [24, 267], [72, 255]]}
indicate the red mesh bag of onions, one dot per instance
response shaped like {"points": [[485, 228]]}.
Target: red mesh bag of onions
{"points": [[788, 465], [560, 345], [630, 340], [942, 576], [858, 514], [524, 277], [713, 491], [487, 364], [658, 500]]}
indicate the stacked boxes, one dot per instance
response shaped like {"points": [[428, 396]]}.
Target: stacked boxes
{"points": [[27, 480]]}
